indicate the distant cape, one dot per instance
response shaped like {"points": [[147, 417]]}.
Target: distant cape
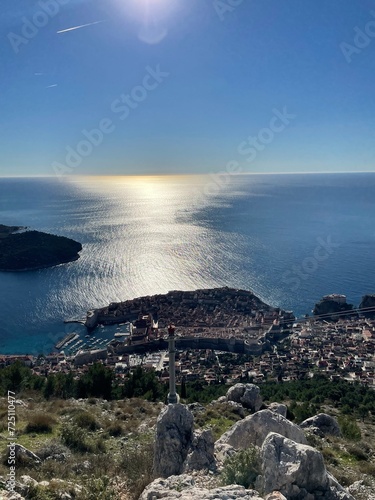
{"points": [[24, 250]]}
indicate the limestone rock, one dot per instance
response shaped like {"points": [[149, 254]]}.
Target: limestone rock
{"points": [[22, 452], [11, 495], [362, 491], [201, 453], [28, 481], [297, 471], [254, 429], [322, 424], [275, 495], [183, 487], [174, 435], [237, 408], [246, 394], [336, 491], [278, 408], [223, 451], [289, 467]]}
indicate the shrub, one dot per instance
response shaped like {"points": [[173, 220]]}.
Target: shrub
{"points": [[73, 437], [366, 467], [86, 420], [219, 425], [39, 493], [137, 464], [329, 456], [115, 430], [349, 428], [39, 423], [242, 468], [358, 451], [97, 489]]}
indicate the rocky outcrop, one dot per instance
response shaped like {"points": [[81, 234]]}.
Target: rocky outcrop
{"points": [[201, 453], [248, 395], [22, 453], [278, 408], [222, 452], [331, 309], [362, 490], [289, 467], [368, 303], [183, 487], [322, 425], [174, 436], [297, 471], [254, 429]]}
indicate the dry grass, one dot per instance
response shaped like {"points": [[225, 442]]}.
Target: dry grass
{"points": [[40, 423]]}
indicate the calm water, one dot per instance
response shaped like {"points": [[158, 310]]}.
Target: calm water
{"points": [[147, 235]]}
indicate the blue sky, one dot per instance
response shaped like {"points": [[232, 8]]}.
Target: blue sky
{"points": [[224, 70]]}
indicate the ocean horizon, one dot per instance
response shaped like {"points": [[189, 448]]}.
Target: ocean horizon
{"points": [[289, 238]]}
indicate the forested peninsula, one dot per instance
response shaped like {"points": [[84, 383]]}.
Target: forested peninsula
{"points": [[24, 250]]}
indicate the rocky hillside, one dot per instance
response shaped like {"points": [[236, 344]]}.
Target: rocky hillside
{"points": [[234, 447]]}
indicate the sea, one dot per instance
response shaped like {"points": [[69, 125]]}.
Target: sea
{"points": [[289, 238]]}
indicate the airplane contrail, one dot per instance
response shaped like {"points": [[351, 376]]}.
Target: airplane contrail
{"points": [[78, 27], [50, 86]]}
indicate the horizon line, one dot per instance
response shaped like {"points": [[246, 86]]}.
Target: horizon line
{"points": [[67, 177]]}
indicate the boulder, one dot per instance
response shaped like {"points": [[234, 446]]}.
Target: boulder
{"points": [[22, 452], [201, 453], [297, 471], [278, 408], [174, 435], [183, 487], [246, 394], [322, 424], [290, 467], [254, 429]]}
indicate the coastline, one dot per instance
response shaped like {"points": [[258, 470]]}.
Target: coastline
{"points": [[37, 268]]}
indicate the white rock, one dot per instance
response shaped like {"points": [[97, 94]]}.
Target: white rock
{"points": [[322, 424], [289, 467], [297, 471], [29, 481], [275, 495], [278, 408], [201, 453], [246, 394], [254, 429], [362, 491], [174, 435], [183, 487]]}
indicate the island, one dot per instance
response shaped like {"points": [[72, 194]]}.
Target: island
{"points": [[24, 250]]}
